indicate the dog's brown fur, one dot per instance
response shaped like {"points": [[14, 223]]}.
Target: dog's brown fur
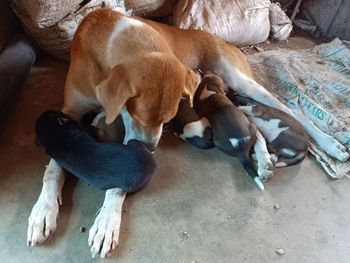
{"points": [[148, 73]]}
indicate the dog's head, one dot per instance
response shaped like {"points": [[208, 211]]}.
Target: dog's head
{"points": [[149, 88]]}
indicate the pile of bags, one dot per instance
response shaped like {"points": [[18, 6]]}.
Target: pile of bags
{"points": [[52, 23]]}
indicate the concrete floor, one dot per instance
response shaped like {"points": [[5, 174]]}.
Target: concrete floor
{"points": [[199, 207]]}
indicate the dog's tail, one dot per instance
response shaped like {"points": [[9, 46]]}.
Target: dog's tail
{"points": [[287, 160], [250, 169]]}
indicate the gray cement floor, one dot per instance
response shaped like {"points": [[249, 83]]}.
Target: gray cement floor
{"points": [[203, 193]]}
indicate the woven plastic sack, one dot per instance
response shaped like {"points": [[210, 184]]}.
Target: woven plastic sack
{"points": [[43, 13], [316, 83], [150, 8], [53, 29], [241, 22], [281, 25]]}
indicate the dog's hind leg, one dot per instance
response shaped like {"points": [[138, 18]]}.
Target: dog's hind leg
{"points": [[239, 77], [42, 220]]}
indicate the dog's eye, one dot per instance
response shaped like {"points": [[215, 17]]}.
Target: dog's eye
{"points": [[62, 121]]}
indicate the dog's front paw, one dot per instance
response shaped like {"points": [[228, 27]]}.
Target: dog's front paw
{"points": [[42, 220], [104, 234]]}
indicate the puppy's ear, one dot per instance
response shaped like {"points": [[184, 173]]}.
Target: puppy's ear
{"points": [[191, 85], [114, 91]]}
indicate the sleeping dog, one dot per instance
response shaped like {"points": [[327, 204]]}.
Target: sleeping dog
{"points": [[232, 131], [286, 138]]}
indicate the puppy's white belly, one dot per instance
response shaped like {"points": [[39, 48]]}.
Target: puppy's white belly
{"points": [[195, 128], [269, 128]]}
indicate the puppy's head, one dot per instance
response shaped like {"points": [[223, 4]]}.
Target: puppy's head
{"points": [[210, 85], [52, 126], [149, 88]]}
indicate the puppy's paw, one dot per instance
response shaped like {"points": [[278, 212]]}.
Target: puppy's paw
{"points": [[104, 233], [42, 220], [265, 167], [265, 175]]}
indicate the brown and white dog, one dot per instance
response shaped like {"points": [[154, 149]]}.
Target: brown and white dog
{"points": [[141, 69]]}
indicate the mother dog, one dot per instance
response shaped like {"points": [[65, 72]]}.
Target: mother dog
{"points": [[141, 69]]}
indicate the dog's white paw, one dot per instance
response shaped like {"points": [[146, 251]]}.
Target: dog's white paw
{"points": [[104, 234], [335, 149], [42, 220]]}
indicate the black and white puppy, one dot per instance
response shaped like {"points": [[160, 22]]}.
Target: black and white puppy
{"points": [[285, 136], [192, 128], [232, 131]]}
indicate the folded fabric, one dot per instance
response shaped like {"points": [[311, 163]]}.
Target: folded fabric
{"points": [[103, 165]]}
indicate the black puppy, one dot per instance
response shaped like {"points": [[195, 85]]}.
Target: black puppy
{"points": [[285, 136], [104, 165], [190, 127], [232, 132]]}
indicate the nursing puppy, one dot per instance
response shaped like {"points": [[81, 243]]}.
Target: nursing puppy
{"points": [[286, 138], [103, 165], [192, 128], [232, 132]]}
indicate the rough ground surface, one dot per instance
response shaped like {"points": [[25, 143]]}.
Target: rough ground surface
{"points": [[199, 207]]}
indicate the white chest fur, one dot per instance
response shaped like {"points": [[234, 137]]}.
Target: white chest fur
{"points": [[269, 128]]}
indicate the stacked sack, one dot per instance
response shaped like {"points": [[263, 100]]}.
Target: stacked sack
{"points": [[241, 22], [52, 23]]}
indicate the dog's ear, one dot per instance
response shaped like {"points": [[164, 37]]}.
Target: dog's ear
{"points": [[191, 85], [114, 91]]}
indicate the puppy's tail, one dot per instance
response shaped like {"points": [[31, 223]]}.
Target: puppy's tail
{"points": [[287, 160], [250, 169]]}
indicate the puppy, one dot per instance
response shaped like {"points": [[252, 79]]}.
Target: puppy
{"points": [[190, 127], [285, 136], [103, 165], [232, 132]]}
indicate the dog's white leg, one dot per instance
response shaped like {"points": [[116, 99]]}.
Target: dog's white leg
{"points": [[250, 88], [327, 143], [263, 157], [246, 86], [104, 233], [42, 220]]}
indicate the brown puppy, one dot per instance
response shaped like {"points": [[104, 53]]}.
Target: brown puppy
{"points": [[140, 69], [232, 131]]}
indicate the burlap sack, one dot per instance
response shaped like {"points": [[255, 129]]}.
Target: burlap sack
{"points": [[52, 23], [241, 22], [150, 8], [43, 13]]}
